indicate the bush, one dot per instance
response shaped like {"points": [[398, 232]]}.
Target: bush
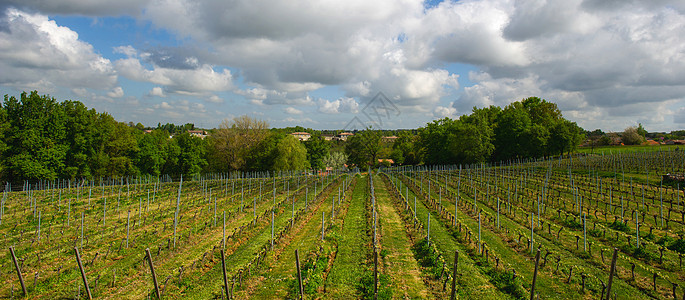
{"points": [[620, 226], [366, 286], [427, 258], [506, 282]]}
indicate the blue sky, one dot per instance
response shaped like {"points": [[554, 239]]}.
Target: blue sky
{"points": [[607, 65]]}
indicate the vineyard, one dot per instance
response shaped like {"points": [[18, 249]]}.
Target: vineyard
{"points": [[584, 226]]}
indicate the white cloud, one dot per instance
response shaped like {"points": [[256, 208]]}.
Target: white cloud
{"points": [[200, 80], [36, 53], [342, 105], [292, 111], [157, 92], [596, 59], [117, 92], [78, 7], [215, 99], [442, 112]]}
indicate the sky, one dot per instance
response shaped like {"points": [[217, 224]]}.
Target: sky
{"points": [[332, 64]]}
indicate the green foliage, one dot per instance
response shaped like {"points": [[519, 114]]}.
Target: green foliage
{"points": [[290, 155], [335, 160], [631, 136], [572, 223], [672, 244], [639, 252], [594, 232], [620, 226], [677, 245], [427, 258], [506, 282], [366, 286], [363, 147], [317, 149], [532, 127], [404, 149], [191, 159]]}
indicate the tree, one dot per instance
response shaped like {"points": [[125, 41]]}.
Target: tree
{"points": [[81, 133], [363, 147], [512, 132], [36, 137], [317, 150], [232, 143], [433, 141], [152, 155], [565, 136], [290, 155], [4, 127], [192, 156], [641, 130], [335, 160], [404, 150], [631, 136]]}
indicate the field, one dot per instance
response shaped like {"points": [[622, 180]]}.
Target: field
{"points": [[389, 233], [606, 150]]}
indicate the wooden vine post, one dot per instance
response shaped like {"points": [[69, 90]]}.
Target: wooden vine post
{"points": [[299, 273], [535, 275], [611, 273], [83, 273], [453, 296], [223, 268], [152, 270], [16, 266]]}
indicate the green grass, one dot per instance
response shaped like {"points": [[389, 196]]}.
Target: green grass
{"points": [[351, 260], [627, 149]]}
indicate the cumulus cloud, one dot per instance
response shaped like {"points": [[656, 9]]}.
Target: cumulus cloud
{"points": [[157, 92], [442, 112], [215, 99], [588, 56], [117, 92], [201, 79], [86, 8], [36, 53], [342, 105], [292, 111]]}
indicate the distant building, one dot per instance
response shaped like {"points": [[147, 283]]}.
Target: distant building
{"points": [[386, 160], [344, 135], [302, 136], [390, 139], [198, 133], [328, 137]]}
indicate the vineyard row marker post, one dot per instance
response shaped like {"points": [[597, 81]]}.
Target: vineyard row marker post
{"points": [[152, 270], [223, 268], [299, 273], [83, 273], [16, 266], [453, 296], [535, 275], [611, 273]]}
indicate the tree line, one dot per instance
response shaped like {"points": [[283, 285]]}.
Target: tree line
{"points": [[43, 139]]}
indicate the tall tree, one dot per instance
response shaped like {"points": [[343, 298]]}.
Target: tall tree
{"points": [[335, 160], [363, 147], [631, 136], [232, 143], [290, 155], [317, 149], [36, 137], [192, 155]]}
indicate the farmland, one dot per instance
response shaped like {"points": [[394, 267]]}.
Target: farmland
{"points": [[390, 232]]}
